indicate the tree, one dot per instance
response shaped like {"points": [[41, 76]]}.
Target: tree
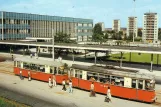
{"points": [[97, 34], [62, 38], [97, 29], [106, 37], [159, 34], [130, 36], [139, 33]]}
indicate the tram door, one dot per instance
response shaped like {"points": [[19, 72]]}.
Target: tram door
{"points": [[84, 75], [127, 82]]}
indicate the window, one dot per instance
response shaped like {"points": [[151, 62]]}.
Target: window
{"points": [[78, 73], [33, 67], [26, 65], [41, 68], [15, 64], [18, 64], [51, 69], [133, 83], [140, 84]]}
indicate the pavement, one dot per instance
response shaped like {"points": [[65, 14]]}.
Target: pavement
{"points": [[40, 93]]}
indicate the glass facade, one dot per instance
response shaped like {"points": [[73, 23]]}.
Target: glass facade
{"points": [[15, 26]]}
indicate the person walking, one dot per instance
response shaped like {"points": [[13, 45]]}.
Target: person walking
{"points": [[63, 83], [70, 86], [29, 76], [108, 94], [50, 84], [54, 81], [21, 77], [92, 92]]}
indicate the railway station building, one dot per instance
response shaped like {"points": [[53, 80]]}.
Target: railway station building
{"points": [[15, 26]]}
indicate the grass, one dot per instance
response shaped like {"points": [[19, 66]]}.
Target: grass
{"points": [[9, 103], [136, 57]]}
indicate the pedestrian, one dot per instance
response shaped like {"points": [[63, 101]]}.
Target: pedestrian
{"points": [[109, 94], [54, 81], [63, 83], [21, 77], [92, 92], [29, 76], [50, 84], [70, 86]]}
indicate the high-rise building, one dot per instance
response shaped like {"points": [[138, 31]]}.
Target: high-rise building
{"points": [[102, 25], [132, 26], [116, 25], [150, 28], [15, 26]]}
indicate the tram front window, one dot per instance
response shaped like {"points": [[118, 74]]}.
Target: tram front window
{"points": [[18, 64], [150, 84]]}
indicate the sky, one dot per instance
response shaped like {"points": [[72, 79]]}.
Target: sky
{"points": [[98, 10]]}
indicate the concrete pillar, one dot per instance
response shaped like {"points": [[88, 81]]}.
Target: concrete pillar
{"points": [[121, 59], [2, 27], [151, 68], [73, 55], [85, 53], [157, 60], [107, 52], [95, 58], [130, 57]]}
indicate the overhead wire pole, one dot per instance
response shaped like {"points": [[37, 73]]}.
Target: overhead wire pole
{"points": [[134, 23], [53, 44]]}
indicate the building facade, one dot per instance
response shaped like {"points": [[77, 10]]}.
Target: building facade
{"points": [[15, 26], [150, 28], [102, 25], [116, 25], [132, 28]]}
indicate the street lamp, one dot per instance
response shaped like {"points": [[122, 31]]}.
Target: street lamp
{"points": [[53, 44], [134, 22]]}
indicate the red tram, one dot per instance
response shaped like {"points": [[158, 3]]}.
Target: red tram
{"points": [[40, 69], [128, 84], [124, 83]]}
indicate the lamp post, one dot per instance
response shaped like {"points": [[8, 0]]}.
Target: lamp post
{"points": [[53, 44], [134, 22]]}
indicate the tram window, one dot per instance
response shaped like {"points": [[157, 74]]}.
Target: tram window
{"points": [[77, 73], [113, 78], [91, 76], [41, 68], [26, 65], [80, 74], [149, 84], [14, 63], [72, 73], [140, 84], [18, 64], [55, 70], [60, 71], [51, 69], [101, 78], [33, 67], [119, 81], [133, 83]]}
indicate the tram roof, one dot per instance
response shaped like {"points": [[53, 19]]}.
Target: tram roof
{"points": [[39, 61], [112, 71]]}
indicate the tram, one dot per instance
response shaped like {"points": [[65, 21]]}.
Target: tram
{"points": [[40, 69], [124, 83], [128, 84]]}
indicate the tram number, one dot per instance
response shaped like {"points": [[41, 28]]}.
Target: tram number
{"points": [[105, 86]]}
